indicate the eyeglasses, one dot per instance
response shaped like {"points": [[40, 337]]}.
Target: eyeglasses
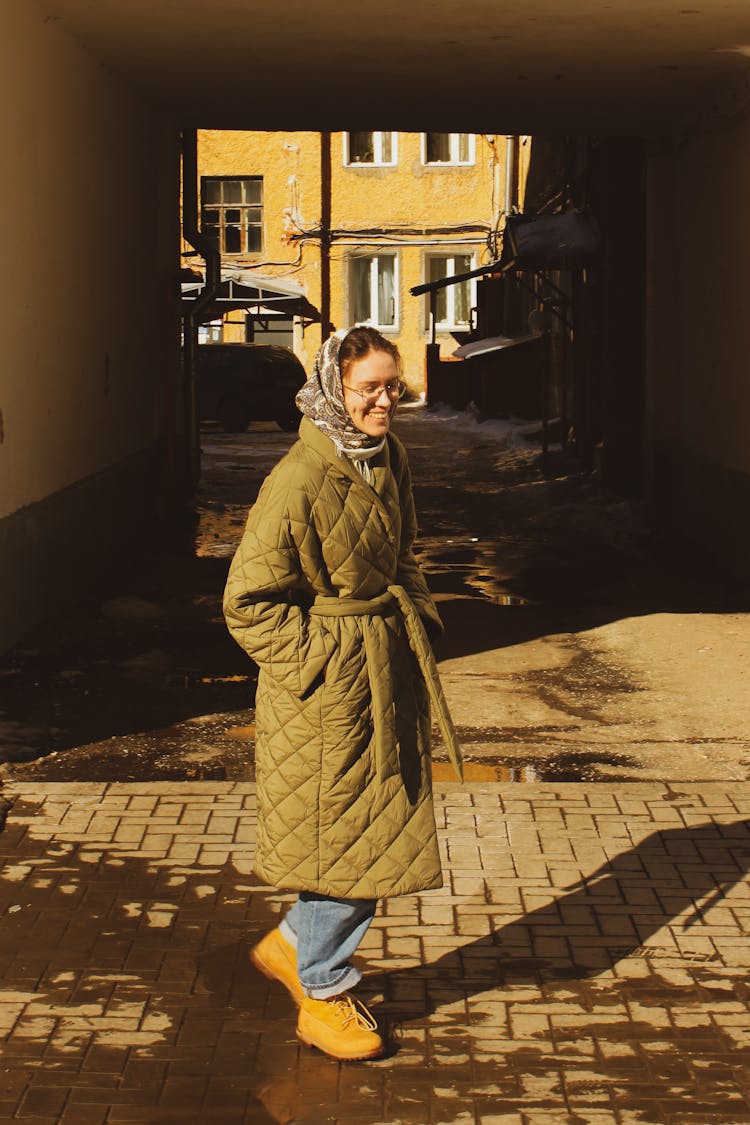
{"points": [[395, 390]]}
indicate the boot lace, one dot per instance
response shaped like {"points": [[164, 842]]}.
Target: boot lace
{"points": [[349, 1010]]}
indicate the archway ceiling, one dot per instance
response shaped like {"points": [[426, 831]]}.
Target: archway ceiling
{"points": [[522, 66]]}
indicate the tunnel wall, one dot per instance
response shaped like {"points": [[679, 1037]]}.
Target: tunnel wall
{"points": [[89, 448], [698, 341]]}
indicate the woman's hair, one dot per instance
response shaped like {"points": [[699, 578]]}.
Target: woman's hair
{"points": [[360, 342]]}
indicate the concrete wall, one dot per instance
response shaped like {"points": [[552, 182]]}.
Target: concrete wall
{"points": [[698, 403], [88, 378]]}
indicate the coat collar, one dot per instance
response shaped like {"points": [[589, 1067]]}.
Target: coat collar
{"points": [[315, 439], [310, 435]]}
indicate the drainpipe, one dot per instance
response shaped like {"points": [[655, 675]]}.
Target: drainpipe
{"points": [[508, 204], [501, 212], [510, 174], [325, 236], [192, 309]]}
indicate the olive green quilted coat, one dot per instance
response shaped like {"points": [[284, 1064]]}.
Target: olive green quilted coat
{"points": [[325, 594]]}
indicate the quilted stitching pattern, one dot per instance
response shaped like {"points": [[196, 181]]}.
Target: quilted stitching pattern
{"points": [[341, 812]]}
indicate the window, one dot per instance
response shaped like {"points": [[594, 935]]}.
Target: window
{"points": [[453, 304], [447, 148], [375, 290], [369, 148], [232, 213], [210, 333], [274, 330]]}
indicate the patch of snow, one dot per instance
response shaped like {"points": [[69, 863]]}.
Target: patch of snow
{"points": [[509, 433]]}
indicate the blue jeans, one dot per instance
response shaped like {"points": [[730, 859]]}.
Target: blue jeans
{"points": [[325, 932]]}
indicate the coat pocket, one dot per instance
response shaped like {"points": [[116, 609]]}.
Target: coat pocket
{"points": [[321, 646]]}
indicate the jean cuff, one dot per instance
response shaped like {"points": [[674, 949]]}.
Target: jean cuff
{"points": [[350, 977], [287, 933]]}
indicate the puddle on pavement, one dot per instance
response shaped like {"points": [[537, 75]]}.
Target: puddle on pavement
{"points": [[567, 766], [240, 733], [510, 599], [219, 529], [484, 771], [466, 568], [224, 679], [213, 747], [584, 688]]}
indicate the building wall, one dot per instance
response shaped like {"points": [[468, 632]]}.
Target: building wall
{"points": [[290, 166], [363, 196], [414, 195], [88, 380], [699, 340]]}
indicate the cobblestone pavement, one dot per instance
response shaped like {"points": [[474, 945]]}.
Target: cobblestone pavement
{"points": [[585, 963]]}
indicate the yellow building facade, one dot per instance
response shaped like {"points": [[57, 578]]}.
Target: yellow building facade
{"points": [[385, 211]]}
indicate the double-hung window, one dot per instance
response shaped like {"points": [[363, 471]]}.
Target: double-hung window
{"points": [[374, 290], [453, 304], [370, 148], [232, 213], [448, 148]]}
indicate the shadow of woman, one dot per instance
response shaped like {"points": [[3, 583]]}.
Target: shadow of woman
{"points": [[653, 899], [646, 901]]}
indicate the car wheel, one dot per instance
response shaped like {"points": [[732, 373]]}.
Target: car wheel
{"points": [[233, 414], [289, 422]]}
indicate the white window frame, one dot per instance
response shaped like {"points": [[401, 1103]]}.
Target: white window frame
{"points": [[453, 160], [377, 147], [450, 324], [373, 318]]}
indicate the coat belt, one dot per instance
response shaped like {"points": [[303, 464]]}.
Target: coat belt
{"points": [[396, 598]]}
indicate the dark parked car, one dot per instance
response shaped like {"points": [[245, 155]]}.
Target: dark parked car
{"points": [[241, 383]]}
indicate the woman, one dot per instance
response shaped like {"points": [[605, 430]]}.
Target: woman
{"points": [[325, 594]]}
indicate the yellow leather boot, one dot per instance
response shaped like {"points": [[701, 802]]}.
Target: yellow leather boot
{"points": [[341, 1027], [277, 960]]}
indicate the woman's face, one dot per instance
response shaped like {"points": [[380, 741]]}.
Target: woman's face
{"points": [[370, 406]]}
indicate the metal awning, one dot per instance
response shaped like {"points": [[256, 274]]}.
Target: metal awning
{"points": [[492, 344], [456, 279], [263, 297]]}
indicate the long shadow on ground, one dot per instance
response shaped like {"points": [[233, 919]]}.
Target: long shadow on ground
{"points": [[129, 979]]}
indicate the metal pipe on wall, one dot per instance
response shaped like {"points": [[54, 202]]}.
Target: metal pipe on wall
{"points": [[510, 173], [192, 311], [325, 236]]}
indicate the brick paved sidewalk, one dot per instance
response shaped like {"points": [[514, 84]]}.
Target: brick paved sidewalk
{"points": [[586, 963]]}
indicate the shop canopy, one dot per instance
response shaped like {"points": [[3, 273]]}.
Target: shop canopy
{"points": [[264, 298]]}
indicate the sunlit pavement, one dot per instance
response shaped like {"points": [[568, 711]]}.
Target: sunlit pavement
{"points": [[585, 963]]}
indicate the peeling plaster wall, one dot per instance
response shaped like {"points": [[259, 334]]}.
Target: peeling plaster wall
{"points": [[699, 341], [88, 380], [363, 196], [281, 159], [409, 195]]}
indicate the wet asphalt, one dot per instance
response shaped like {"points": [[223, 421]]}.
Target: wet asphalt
{"points": [[141, 681]]}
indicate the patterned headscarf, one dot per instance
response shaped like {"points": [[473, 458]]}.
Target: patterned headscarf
{"points": [[322, 400]]}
